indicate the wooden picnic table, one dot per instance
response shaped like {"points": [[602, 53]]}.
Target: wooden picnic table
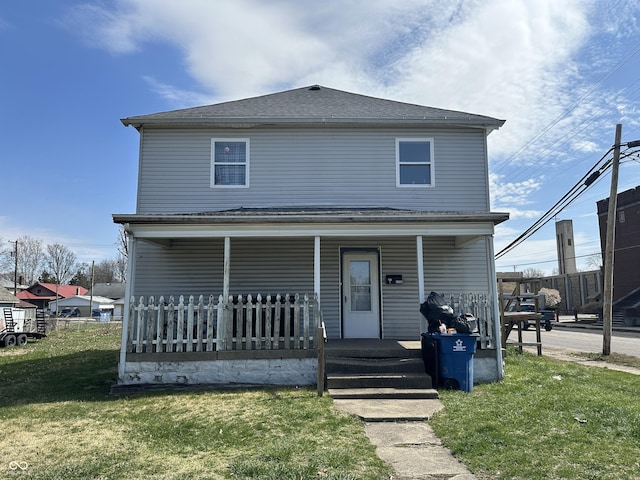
{"points": [[511, 319]]}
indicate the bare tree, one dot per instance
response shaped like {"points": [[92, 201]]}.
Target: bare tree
{"points": [[106, 271], [532, 273], [6, 259], [594, 261], [30, 258], [121, 266], [62, 263], [123, 253], [123, 245]]}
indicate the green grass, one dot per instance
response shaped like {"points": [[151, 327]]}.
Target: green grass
{"points": [[547, 420], [59, 421]]}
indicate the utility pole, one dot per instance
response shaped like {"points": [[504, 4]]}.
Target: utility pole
{"points": [[93, 262], [607, 306], [15, 268]]}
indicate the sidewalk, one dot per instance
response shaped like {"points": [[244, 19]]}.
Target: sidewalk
{"points": [[404, 439], [568, 321]]}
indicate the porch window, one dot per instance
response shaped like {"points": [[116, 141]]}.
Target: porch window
{"points": [[414, 162], [229, 162]]}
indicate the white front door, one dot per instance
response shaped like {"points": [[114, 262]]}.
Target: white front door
{"points": [[360, 295]]}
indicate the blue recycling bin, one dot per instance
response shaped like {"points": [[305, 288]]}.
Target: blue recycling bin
{"points": [[455, 359]]}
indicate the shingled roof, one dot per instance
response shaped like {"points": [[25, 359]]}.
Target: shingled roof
{"points": [[314, 104]]}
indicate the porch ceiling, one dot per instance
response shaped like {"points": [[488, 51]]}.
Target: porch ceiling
{"points": [[307, 222]]}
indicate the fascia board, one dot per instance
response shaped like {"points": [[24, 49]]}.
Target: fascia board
{"points": [[318, 229]]}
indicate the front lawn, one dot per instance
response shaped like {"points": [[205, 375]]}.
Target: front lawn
{"points": [[548, 419], [59, 422]]}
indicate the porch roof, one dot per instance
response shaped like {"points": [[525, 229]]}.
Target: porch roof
{"points": [[311, 215], [311, 221]]}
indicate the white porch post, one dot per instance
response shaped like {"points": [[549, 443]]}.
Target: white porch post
{"points": [[226, 269], [493, 291], [316, 267], [420, 263], [131, 268]]}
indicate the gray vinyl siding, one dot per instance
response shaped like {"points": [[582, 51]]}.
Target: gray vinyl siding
{"points": [[285, 265], [450, 269], [188, 267], [310, 167], [446, 269], [195, 267]]}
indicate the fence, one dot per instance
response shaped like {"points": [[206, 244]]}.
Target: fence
{"points": [[241, 323], [481, 307]]}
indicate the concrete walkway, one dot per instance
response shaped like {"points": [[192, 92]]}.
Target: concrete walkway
{"points": [[404, 439]]}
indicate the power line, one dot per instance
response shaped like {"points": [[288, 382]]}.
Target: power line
{"points": [[584, 183], [555, 260]]}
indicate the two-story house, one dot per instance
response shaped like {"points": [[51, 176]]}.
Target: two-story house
{"points": [[361, 203]]}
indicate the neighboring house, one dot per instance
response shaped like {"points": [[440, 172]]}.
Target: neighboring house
{"points": [[40, 294], [626, 278], [7, 299], [113, 291], [85, 303], [626, 275], [11, 285], [362, 203]]}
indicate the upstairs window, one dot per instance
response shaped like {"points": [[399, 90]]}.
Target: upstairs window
{"points": [[414, 162], [229, 162]]}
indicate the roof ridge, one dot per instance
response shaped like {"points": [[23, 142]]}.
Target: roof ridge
{"points": [[315, 104]]}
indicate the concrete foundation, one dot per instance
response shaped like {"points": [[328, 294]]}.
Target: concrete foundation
{"points": [[266, 371], [485, 367]]}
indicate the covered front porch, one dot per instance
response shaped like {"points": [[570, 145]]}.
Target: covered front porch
{"points": [[229, 287]]}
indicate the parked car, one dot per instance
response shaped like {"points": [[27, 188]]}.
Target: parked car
{"points": [[70, 312], [548, 316]]}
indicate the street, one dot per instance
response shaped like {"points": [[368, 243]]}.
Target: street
{"points": [[583, 340]]}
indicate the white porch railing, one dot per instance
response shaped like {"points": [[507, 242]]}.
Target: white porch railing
{"points": [[242, 323], [481, 307]]}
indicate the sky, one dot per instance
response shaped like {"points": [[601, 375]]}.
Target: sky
{"points": [[561, 73]]}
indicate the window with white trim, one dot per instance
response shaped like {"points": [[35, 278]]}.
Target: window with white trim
{"points": [[229, 162], [414, 162]]}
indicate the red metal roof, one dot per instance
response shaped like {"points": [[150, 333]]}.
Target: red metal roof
{"points": [[64, 291]]}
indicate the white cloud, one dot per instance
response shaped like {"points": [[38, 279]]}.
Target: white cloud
{"points": [[512, 193], [527, 61], [513, 59], [177, 96], [587, 146]]}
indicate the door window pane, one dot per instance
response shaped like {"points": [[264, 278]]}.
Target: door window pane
{"points": [[360, 288]]}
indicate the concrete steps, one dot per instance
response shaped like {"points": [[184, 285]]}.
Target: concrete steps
{"points": [[380, 371], [369, 393]]}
